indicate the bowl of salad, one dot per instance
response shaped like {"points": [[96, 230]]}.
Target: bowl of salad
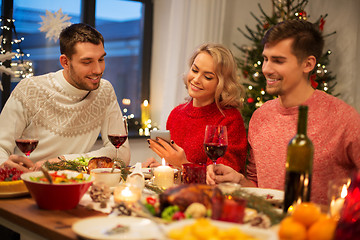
{"points": [[65, 191]]}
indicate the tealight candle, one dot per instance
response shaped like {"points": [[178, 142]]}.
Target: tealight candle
{"points": [[164, 176], [126, 194], [337, 204]]}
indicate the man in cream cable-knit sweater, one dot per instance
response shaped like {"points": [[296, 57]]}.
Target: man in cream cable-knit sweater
{"points": [[290, 52], [70, 107]]}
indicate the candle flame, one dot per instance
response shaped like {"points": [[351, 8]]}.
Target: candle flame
{"points": [[146, 102], [163, 162], [344, 191], [290, 209], [126, 192]]}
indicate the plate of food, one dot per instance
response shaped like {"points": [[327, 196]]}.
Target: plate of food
{"points": [[208, 228], [111, 227], [11, 184], [272, 195]]}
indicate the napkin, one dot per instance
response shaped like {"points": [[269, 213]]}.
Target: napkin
{"points": [[136, 178], [87, 202]]}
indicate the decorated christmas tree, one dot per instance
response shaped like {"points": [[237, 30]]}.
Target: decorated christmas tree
{"points": [[250, 62]]}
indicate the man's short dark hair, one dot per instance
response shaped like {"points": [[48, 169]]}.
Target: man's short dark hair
{"points": [[308, 40], [75, 33]]}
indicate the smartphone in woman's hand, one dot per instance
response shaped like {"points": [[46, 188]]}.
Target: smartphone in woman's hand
{"points": [[165, 135]]}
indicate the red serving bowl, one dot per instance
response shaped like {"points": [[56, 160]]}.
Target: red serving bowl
{"points": [[58, 196]]}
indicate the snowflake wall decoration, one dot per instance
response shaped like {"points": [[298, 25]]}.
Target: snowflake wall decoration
{"points": [[54, 23]]}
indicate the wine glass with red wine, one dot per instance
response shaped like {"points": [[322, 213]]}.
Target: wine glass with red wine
{"points": [[215, 141], [27, 140], [117, 131]]}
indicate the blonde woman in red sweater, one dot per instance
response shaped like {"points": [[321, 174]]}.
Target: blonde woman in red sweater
{"points": [[215, 98]]}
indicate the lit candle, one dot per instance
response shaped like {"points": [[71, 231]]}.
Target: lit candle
{"points": [[126, 194], [163, 176], [337, 204], [145, 113]]}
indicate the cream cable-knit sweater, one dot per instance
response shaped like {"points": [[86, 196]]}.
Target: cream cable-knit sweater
{"points": [[69, 120]]}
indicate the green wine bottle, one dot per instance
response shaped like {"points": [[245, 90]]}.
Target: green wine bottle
{"points": [[299, 162]]}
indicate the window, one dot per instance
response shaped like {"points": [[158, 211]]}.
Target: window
{"points": [[43, 53], [124, 24]]}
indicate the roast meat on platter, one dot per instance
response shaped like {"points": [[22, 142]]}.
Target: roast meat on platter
{"points": [[186, 194], [100, 162]]}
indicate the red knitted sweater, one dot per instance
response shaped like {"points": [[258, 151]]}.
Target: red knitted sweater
{"points": [[187, 127]]}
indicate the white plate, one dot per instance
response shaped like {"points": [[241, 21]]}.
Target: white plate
{"points": [[146, 171], [96, 227], [258, 233], [269, 194]]}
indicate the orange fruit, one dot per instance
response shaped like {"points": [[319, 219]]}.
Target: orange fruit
{"points": [[306, 213], [291, 230], [323, 229]]}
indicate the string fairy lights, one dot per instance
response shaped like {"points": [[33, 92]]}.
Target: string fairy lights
{"points": [[18, 69]]}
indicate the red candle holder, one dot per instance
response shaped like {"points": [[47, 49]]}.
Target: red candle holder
{"points": [[194, 173], [349, 224], [228, 208]]}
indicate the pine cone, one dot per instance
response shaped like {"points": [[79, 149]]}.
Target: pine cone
{"points": [[100, 192]]}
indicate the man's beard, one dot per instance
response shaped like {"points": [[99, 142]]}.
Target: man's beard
{"points": [[80, 83]]}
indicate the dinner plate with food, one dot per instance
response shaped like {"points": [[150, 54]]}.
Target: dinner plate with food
{"points": [[212, 228], [11, 184], [111, 227], [274, 196]]}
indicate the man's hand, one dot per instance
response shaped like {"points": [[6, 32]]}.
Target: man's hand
{"points": [[19, 162], [150, 163]]}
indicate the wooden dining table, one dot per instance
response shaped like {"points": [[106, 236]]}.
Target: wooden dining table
{"points": [[22, 215]]}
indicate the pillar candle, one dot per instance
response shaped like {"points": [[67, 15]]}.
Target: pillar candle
{"points": [[164, 176], [145, 113]]}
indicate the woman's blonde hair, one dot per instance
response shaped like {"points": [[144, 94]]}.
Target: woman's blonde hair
{"points": [[229, 92]]}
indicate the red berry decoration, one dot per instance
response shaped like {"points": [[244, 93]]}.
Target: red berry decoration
{"points": [[151, 200], [7, 174], [178, 216]]}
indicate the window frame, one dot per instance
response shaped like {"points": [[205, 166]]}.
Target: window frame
{"points": [[88, 8]]}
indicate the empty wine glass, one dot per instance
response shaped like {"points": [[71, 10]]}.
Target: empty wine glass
{"points": [[215, 141], [26, 139], [117, 131]]}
